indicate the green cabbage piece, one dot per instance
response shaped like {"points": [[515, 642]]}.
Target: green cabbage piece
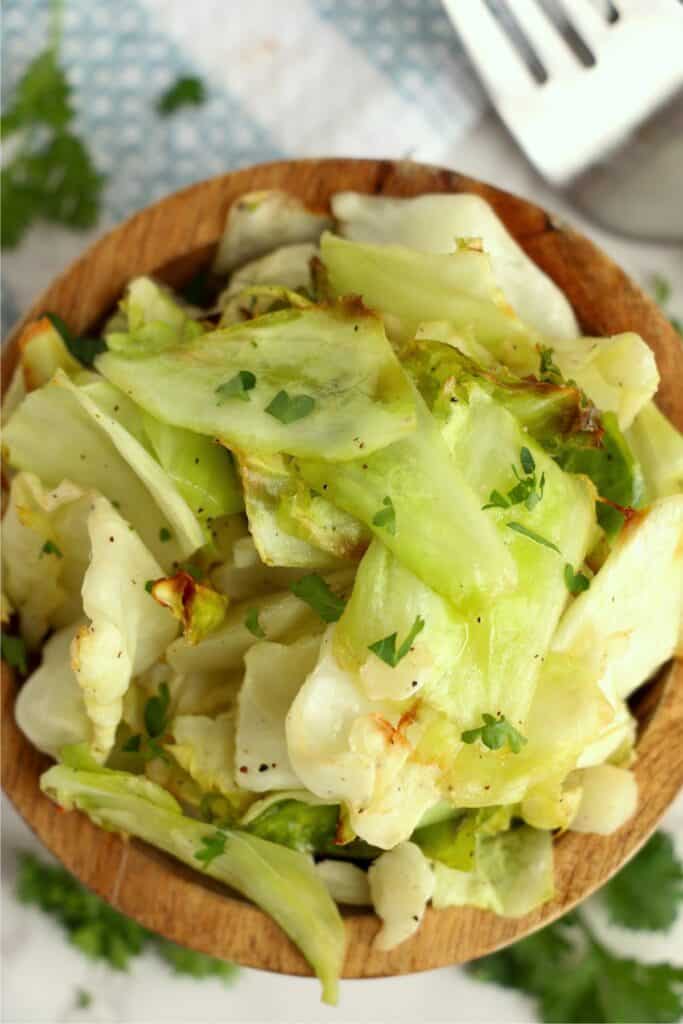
{"points": [[453, 842], [281, 616], [150, 319], [632, 614], [267, 482], [303, 826], [417, 286], [281, 881], [43, 352], [513, 874], [440, 531], [44, 554], [205, 748], [337, 357], [259, 222], [288, 266], [128, 630], [555, 413], [432, 223], [203, 472], [49, 708], [53, 435], [273, 676], [659, 449]]}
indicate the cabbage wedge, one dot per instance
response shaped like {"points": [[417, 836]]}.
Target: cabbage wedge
{"points": [[317, 379], [282, 882]]}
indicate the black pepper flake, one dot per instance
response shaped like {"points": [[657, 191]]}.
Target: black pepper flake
{"points": [[415, 917], [196, 462], [324, 487], [111, 540], [414, 682], [263, 767], [478, 618]]}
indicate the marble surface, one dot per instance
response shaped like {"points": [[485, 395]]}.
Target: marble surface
{"points": [[41, 973]]}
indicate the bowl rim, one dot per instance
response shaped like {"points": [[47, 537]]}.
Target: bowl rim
{"points": [[174, 235]]}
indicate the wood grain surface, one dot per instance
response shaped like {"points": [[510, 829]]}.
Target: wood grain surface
{"points": [[172, 239]]}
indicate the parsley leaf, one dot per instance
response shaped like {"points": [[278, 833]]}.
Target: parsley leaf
{"points": [[82, 348], [198, 965], [648, 891], [532, 535], [386, 517], [253, 625], [386, 647], [212, 846], [188, 90], [289, 408], [495, 733], [14, 652], [576, 979], [576, 581], [164, 534], [238, 387], [83, 999], [50, 548], [316, 592], [149, 586], [98, 930], [51, 175], [156, 712], [548, 370], [528, 490]]}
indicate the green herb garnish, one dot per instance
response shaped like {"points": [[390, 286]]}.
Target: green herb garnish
{"points": [[186, 91], [495, 733], [528, 490], [532, 535], [238, 387], [165, 534], [317, 593], [156, 712], [83, 999], [548, 369], [14, 652], [576, 581], [386, 517], [50, 548], [253, 625], [289, 408], [212, 846], [149, 586], [50, 174], [386, 647]]}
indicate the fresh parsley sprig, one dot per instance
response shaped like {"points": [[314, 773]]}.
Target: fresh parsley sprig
{"points": [[317, 593], [528, 490], [386, 517], [386, 647], [575, 978], [495, 733], [186, 91]]}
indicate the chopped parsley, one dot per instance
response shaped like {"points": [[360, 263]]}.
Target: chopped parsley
{"points": [[197, 965], [253, 625], [317, 593], [132, 744], [528, 490], [576, 581], [289, 408], [14, 652], [50, 548], [386, 517], [156, 712], [212, 846], [495, 733], [165, 534], [548, 369], [186, 91], [386, 647], [83, 999], [238, 387], [532, 535], [149, 586]]}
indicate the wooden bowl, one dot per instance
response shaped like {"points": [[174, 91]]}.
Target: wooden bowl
{"points": [[172, 239]]}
